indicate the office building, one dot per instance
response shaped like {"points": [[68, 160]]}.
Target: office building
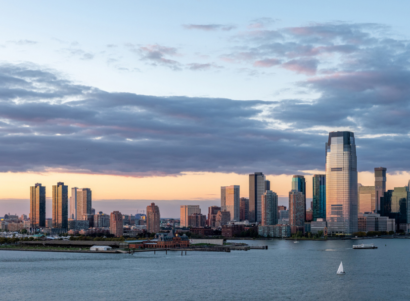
{"points": [[309, 215], [319, 197], [37, 206], [367, 199], [318, 226], [256, 190], [396, 205], [153, 219], [116, 227], [84, 201], [283, 214], [299, 184], [296, 211], [212, 212], [230, 200], [60, 206], [196, 220], [269, 208], [278, 231], [374, 222], [244, 209], [73, 204], [101, 220], [267, 185], [380, 186], [185, 211], [341, 183], [222, 218]]}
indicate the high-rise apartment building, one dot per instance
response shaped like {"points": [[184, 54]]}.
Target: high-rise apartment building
{"points": [[37, 206], [73, 204], [269, 208], [153, 219], [244, 209], [256, 190], [341, 183], [367, 199], [212, 212], [185, 211], [296, 211], [222, 218], [380, 186], [299, 184], [267, 185], [60, 206], [101, 220], [196, 220], [84, 201], [230, 200], [319, 197], [116, 226]]}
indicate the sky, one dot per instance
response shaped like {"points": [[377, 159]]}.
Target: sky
{"points": [[167, 101]]}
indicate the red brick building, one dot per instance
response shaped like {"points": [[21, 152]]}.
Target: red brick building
{"points": [[116, 224]]}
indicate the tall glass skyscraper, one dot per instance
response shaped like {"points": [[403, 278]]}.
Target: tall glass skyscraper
{"points": [[319, 197], [380, 186], [230, 200], [341, 183], [256, 190], [60, 206], [37, 206], [299, 184]]}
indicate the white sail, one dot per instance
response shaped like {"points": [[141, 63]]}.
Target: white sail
{"points": [[340, 270]]}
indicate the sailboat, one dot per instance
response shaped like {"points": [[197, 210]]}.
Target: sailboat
{"points": [[340, 270]]}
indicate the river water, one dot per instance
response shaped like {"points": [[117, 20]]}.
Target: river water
{"points": [[286, 271]]}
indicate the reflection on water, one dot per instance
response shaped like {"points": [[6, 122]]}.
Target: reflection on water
{"points": [[286, 271]]}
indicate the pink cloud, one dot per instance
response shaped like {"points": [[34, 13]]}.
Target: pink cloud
{"points": [[266, 63], [304, 66]]}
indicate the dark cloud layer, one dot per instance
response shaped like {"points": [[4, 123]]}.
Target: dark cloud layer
{"points": [[361, 78]]}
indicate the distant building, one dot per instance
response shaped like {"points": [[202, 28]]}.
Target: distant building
{"points": [[116, 227], [278, 231], [78, 224], [230, 200], [374, 222], [212, 212], [309, 215], [185, 211], [49, 223], [196, 220], [396, 205], [367, 199], [101, 220], [73, 203], [296, 211], [244, 209], [222, 218], [341, 183], [37, 206], [269, 208], [84, 201], [256, 190], [267, 185], [153, 218], [299, 184], [319, 197], [284, 214], [318, 225], [60, 206], [380, 186]]}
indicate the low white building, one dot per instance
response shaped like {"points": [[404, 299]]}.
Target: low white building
{"points": [[100, 248]]}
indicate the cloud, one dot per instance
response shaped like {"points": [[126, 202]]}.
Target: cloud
{"points": [[266, 63], [157, 55], [23, 42], [306, 66], [205, 66], [261, 22], [79, 53], [209, 27]]}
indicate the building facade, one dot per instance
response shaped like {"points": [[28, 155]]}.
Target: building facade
{"points": [[230, 200], [341, 183], [84, 202], [222, 218], [279, 231], [367, 199], [244, 209], [319, 197], [269, 208], [185, 211], [116, 227], [380, 186], [37, 206], [101, 220], [153, 219], [212, 213], [296, 211], [396, 205], [267, 185], [196, 220], [299, 184], [256, 190], [60, 206], [73, 203]]}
